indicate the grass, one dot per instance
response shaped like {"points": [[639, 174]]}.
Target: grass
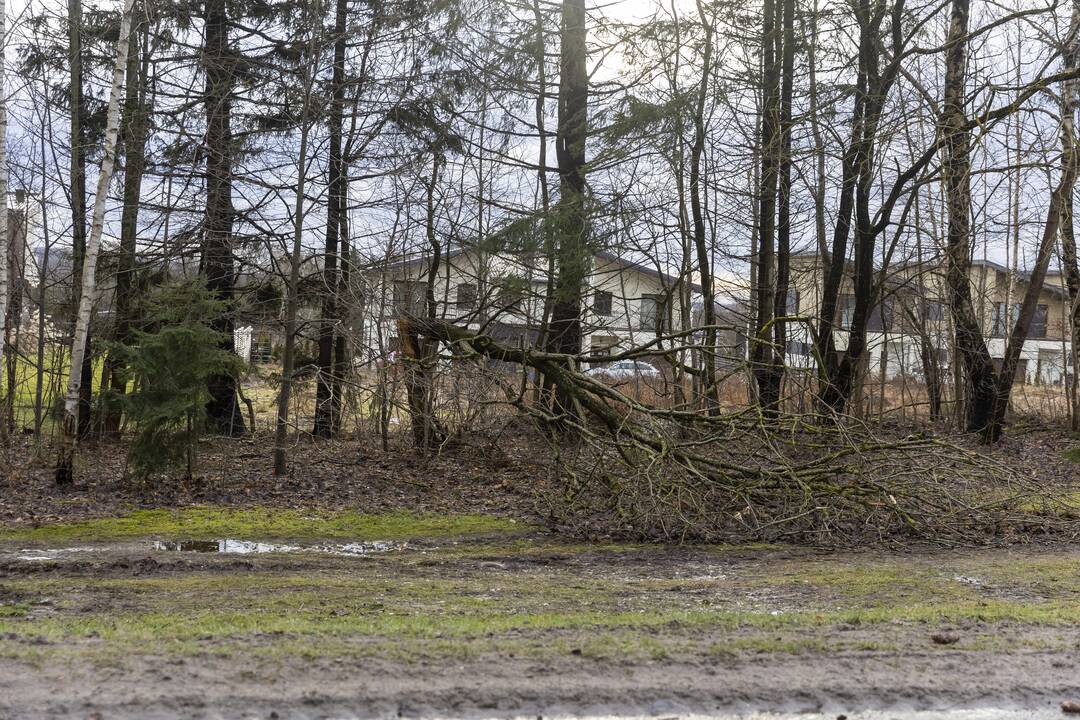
{"points": [[205, 522], [1072, 454], [518, 595]]}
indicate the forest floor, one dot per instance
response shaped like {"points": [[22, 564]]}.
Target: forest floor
{"points": [[439, 592]]}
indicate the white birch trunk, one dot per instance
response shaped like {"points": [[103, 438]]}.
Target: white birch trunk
{"points": [[86, 295], [5, 241]]}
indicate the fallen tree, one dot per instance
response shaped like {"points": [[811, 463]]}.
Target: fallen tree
{"points": [[640, 471]]}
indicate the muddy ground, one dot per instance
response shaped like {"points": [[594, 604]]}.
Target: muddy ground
{"points": [[382, 584], [512, 621]]}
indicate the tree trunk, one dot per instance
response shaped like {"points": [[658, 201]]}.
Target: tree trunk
{"points": [[327, 402], [783, 216], [223, 409], [421, 350], [1070, 100], [709, 388], [767, 368], [956, 167], [1059, 208], [78, 198], [64, 467], [135, 119], [292, 300], [572, 253]]}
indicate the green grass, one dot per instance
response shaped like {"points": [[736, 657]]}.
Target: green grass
{"points": [[466, 612], [540, 597], [1072, 454], [206, 522]]}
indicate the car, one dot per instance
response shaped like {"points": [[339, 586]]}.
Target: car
{"points": [[625, 370]]}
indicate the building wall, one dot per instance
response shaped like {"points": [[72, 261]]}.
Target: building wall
{"points": [[1042, 359], [620, 327]]}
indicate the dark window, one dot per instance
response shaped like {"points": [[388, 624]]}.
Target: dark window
{"points": [[653, 313], [1002, 325], [602, 303], [1038, 323], [409, 297], [881, 317], [844, 311], [602, 345], [466, 296], [797, 347], [935, 311], [792, 302]]}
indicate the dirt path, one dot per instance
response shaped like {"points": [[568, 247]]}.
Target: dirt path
{"points": [[156, 687], [502, 625]]}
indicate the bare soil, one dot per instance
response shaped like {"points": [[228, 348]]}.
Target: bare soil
{"points": [[527, 623], [636, 630]]}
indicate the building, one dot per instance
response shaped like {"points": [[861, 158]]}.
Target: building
{"points": [[627, 303], [913, 309]]}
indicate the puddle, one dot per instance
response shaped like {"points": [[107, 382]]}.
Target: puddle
{"points": [[229, 546], [42, 555]]}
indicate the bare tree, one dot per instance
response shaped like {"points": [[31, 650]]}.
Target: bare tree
{"points": [[65, 462]]}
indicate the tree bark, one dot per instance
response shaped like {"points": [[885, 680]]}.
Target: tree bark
{"points": [[64, 466], [709, 389], [78, 197], [1070, 100], [223, 409], [327, 402], [572, 253], [956, 167], [292, 301], [767, 366], [1059, 208], [783, 215], [135, 121]]}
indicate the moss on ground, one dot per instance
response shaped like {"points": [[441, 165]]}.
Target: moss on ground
{"points": [[517, 595], [206, 522]]}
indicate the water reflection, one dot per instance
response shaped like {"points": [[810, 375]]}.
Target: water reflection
{"points": [[230, 546]]}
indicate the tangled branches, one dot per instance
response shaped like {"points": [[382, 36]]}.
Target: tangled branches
{"points": [[642, 472]]}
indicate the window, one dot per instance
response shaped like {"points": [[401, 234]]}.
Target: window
{"points": [[653, 313], [1038, 323], [881, 317], [845, 311], [466, 296], [409, 297], [792, 302], [602, 345], [935, 311], [602, 303], [1002, 325]]}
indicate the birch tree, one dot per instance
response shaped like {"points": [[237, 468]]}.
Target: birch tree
{"points": [[65, 461]]}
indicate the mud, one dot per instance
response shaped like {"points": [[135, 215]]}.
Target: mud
{"points": [[913, 686], [480, 644]]}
